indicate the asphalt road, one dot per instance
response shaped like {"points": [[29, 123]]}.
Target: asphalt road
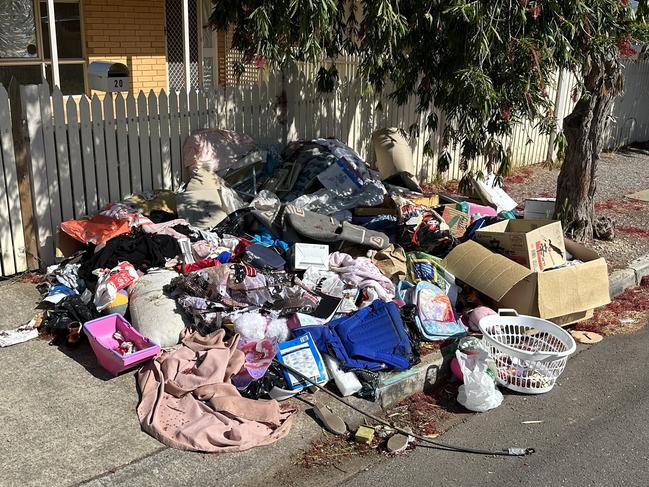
{"points": [[595, 431]]}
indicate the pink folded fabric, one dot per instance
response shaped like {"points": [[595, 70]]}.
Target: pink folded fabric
{"points": [[166, 228], [187, 400], [361, 273]]}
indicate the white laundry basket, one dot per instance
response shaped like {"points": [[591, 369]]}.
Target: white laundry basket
{"points": [[530, 353]]}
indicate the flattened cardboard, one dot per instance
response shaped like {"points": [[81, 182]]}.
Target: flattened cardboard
{"points": [[431, 200], [388, 207], [457, 220], [491, 274], [66, 245], [536, 244], [564, 295]]}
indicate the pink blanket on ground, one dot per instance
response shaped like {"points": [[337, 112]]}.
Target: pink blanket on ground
{"points": [[361, 273], [187, 400]]}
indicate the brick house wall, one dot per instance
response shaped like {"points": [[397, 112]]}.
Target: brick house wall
{"points": [[131, 32]]}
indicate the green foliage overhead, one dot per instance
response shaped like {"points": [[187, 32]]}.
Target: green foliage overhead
{"points": [[485, 64]]}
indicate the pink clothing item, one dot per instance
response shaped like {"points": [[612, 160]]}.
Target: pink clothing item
{"points": [[361, 273], [215, 149], [188, 402], [166, 228], [204, 248], [259, 355]]}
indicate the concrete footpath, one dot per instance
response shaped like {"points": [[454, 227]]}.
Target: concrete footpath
{"points": [[594, 431], [66, 422]]}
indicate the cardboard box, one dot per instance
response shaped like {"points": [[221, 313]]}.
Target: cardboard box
{"points": [[431, 200], [66, 245], [539, 208], [388, 207], [536, 244], [457, 220], [301, 256], [563, 295]]}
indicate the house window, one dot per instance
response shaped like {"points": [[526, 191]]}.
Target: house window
{"points": [[175, 46], [25, 44]]}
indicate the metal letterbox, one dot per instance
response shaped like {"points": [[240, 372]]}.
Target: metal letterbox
{"points": [[107, 76]]}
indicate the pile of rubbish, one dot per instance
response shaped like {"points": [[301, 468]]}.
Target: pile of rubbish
{"points": [[271, 271]]}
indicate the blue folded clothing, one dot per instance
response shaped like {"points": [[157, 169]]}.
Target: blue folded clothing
{"points": [[373, 338]]}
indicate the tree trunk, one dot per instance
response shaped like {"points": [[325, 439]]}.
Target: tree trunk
{"points": [[584, 130]]}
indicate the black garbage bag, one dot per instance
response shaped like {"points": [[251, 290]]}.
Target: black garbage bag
{"points": [[67, 317]]}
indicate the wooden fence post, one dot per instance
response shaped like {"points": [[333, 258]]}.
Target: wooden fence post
{"points": [[23, 173]]}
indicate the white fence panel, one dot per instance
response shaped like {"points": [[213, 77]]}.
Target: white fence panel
{"points": [[50, 154], [99, 146], [165, 147], [133, 144], [62, 157], [154, 137], [86, 153], [112, 161], [12, 240], [41, 193], [145, 142], [122, 147], [630, 113]]}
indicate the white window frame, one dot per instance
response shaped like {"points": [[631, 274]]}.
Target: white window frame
{"points": [[40, 60]]}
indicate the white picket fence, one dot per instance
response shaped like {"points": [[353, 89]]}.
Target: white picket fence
{"points": [[86, 152], [12, 240]]}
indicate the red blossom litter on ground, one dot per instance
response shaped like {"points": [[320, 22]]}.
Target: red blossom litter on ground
{"points": [[425, 412], [640, 232], [32, 277], [426, 348], [626, 313], [620, 205], [519, 175], [420, 411], [545, 194], [446, 187], [330, 450]]}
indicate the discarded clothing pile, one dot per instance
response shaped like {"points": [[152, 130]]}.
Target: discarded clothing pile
{"points": [[303, 256]]}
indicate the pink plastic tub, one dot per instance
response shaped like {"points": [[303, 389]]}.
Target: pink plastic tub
{"points": [[100, 334]]}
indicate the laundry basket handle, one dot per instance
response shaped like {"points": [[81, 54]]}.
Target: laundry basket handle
{"points": [[507, 312]]}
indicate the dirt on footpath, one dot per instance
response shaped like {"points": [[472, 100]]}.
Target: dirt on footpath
{"points": [[619, 174], [333, 459]]}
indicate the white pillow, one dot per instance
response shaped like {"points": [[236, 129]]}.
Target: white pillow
{"points": [[153, 313]]}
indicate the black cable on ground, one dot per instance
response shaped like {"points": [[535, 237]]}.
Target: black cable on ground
{"points": [[510, 452]]}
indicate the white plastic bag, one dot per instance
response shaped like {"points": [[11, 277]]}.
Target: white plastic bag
{"points": [[479, 392]]}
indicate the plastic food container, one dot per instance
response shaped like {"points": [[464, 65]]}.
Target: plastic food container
{"points": [[100, 334]]}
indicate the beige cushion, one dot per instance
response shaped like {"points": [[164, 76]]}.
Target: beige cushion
{"points": [[391, 153], [207, 200]]}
